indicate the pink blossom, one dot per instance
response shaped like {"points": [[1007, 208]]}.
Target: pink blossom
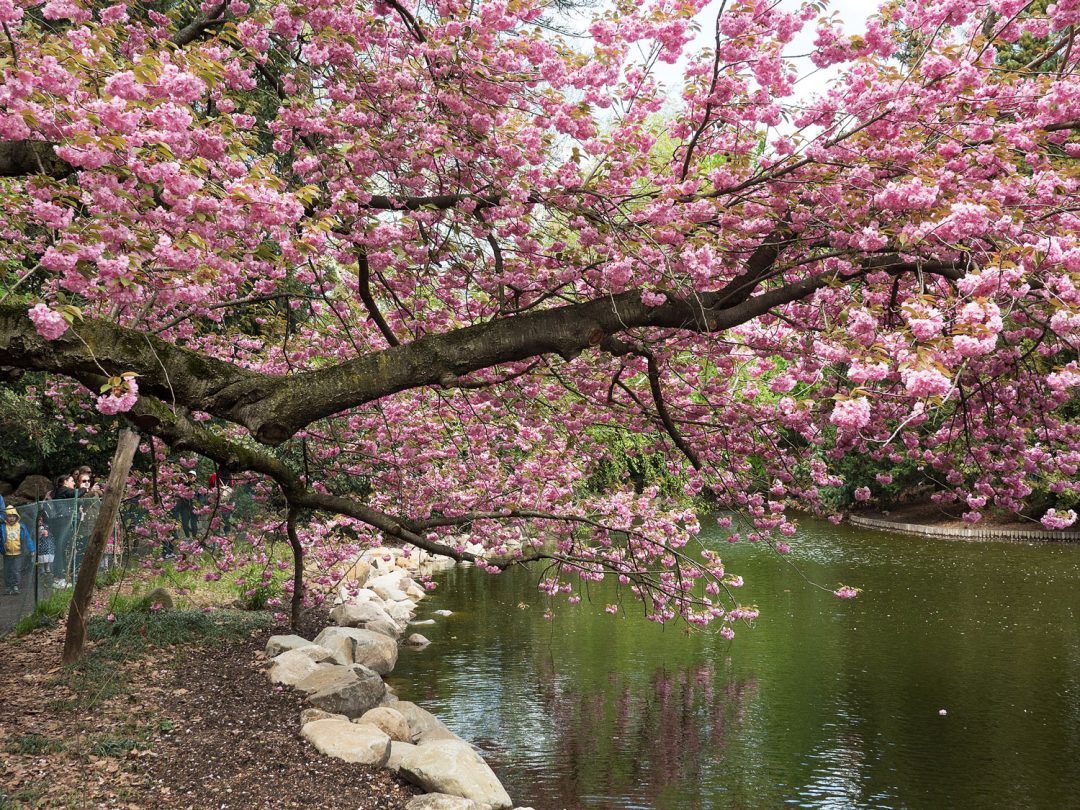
{"points": [[1054, 519], [862, 494], [925, 382], [846, 592], [851, 414], [48, 323], [119, 400]]}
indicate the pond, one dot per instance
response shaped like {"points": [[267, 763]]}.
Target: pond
{"points": [[823, 703]]}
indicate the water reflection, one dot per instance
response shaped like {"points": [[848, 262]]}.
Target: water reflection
{"points": [[824, 704]]}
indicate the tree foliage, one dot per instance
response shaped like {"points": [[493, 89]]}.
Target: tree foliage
{"points": [[414, 264]]}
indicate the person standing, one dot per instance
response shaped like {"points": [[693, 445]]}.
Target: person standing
{"points": [[61, 514], [18, 546]]}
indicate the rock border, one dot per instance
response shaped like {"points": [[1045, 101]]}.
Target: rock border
{"points": [[354, 715]]}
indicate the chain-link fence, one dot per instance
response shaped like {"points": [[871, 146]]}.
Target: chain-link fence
{"points": [[60, 530]]}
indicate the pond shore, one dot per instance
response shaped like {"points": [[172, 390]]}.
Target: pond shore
{"points": [[952, 529]]}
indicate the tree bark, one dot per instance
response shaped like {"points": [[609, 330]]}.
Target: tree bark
{"points": [[298, 568], [75, 635]]}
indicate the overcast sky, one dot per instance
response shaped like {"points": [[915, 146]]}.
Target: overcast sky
{"points": [[853, 14]]}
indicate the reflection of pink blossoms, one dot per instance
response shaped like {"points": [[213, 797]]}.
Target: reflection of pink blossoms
{"points": [[119, 400], [846, 592], [48, 323]]}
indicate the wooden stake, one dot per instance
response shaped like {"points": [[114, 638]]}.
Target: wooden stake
{"points": [[75, 636]]}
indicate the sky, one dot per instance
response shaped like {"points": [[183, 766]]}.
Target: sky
{"points": [[852, 13]]}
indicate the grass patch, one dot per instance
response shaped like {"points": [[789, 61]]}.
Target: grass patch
{"points": [[110, 746], [47, 613], [137, 631], [33, 744]]}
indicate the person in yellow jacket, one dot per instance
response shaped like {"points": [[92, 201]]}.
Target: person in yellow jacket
{"points": [[18, 546]]}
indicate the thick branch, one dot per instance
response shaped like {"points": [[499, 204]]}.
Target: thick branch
{"points": [[274, 408]]}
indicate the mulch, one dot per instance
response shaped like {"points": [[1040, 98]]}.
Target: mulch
{"points": [[194, 727]]}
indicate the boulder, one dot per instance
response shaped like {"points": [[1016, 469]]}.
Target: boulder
{"points": [[417, 640], [397, 751], [443, 612], [358, 614], [415, 592], [402, 611], [453, 767], [391, 586], [159, 596], [442, 801], [276, 645], [311, 715], [435, 735], [366, 595], [316, 652], [325, 675], [354, 645], [420, 720], [350, 691], [358, 572], [291, 667], [422, 623], [339, 645], [352, 742], [391, 721], [388, 627]]}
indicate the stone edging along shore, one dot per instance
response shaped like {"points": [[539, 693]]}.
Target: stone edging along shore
{"points": [[354, 716], [951, 533]]}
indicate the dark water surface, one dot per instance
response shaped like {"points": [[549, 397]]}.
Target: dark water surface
{"points": [[823, 703]]}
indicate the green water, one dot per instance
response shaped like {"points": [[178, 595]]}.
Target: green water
{"points": [[823, 703]]}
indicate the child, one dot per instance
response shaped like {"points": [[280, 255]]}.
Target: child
{"points": [[18, 546]]}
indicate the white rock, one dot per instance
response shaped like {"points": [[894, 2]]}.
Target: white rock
{"points": [[391, 721], [388, 627], [316, 652], [397, 751], [391, 586], [442, 801], [276, 645], [421, 623], [358, 614], [452, 766], [401, 611], [417, 640], [443, 612], [350, 691], [358, 572], [415, 592], [310, 715], [365, 595], [420, 720], [291, 667], [350, 645], [352, 742]]}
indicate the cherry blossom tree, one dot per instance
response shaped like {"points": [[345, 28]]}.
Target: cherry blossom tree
{"points": [[440, 252]]}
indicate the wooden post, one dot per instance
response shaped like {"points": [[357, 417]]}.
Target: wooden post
{"points": [[110, 507]]}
